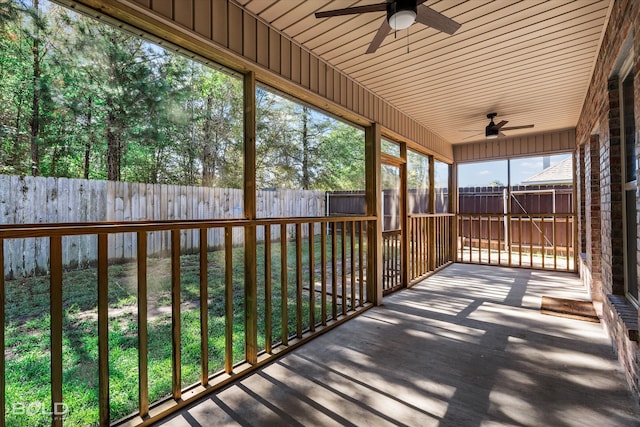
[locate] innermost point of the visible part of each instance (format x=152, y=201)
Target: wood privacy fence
x=354, y=203
x=536, y=199
x=37, y=200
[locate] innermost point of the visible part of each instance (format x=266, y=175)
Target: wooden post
x=373, y=208
x=404, y=219
x=204, y=307
x=176, y=299
x=453, y=208
x=430, y=244
x=2, y=345
x=574, y=223
x=228, y=299
x=56, y=313
x=250, y=238
x=143, y=336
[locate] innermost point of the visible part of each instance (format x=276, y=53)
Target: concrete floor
x=466, y=347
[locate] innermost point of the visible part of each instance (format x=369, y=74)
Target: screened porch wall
x=526, y=145
x=222, y=31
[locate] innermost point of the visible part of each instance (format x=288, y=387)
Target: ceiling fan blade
x=419, y=2
x=501, y=134
x=473, y=136
x=353, y=10
x=433, y=19
x=499, y=125
x=379, y=37
x=518, y=127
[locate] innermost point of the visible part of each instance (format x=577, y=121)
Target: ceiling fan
x=401, y=14
x=494, y=130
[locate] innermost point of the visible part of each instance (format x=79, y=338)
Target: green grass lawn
x=27, y=331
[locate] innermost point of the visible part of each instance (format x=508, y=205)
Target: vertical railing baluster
x=3, y=399
x=554, y=242
x=299, y=280
x=490, y=231
x=204, y=308
x=361, y=229
x=415, y=247
x=176, y=361
x=480, y=220
x=415, y=255
x=508, y=234
x=436, y=241
x=397, y=260
x=433, y=243
x=344, y=267
x=284, y=283
x=450, y=241
x=567, y=236
x=103, y=335
x=412, y=257
x=385, y=262
x=424, y=238
x=438, y=231
x=312, y=278
x=334, y=273
x=353, y=265
x=228, y=299
x=460, y=237
x=323, y=273
x=268, y=312
x=542, y=241
x=442, y=238
x=143, y=336
x=520, y=241
x=56, y=310
x=470, y=238
x=531, y=241
x=440, y=241
x=409, y=247
x=250, y=294
x=500, y=244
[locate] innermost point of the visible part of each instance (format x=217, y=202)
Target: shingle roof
x=560, y=173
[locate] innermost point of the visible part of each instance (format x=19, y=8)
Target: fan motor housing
x=491, y=131
x=400, y=5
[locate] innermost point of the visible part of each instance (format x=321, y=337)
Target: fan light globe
x=402, y=19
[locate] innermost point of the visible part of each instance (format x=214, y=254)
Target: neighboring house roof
x=560, y=173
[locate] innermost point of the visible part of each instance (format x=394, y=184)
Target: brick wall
x=592, y=219
x=598, y=129
x=580, y=198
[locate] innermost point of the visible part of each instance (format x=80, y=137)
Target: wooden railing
x=430, y=244
x=391, y=260
x=544, y=241
x=304, y=275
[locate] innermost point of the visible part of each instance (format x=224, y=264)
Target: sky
x=481, y=174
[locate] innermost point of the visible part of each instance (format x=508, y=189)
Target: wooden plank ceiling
x=530, y=61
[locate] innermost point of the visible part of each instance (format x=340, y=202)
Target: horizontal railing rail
x=269, y=295
x=541, y=241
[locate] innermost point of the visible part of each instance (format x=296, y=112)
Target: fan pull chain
x=407, y=40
